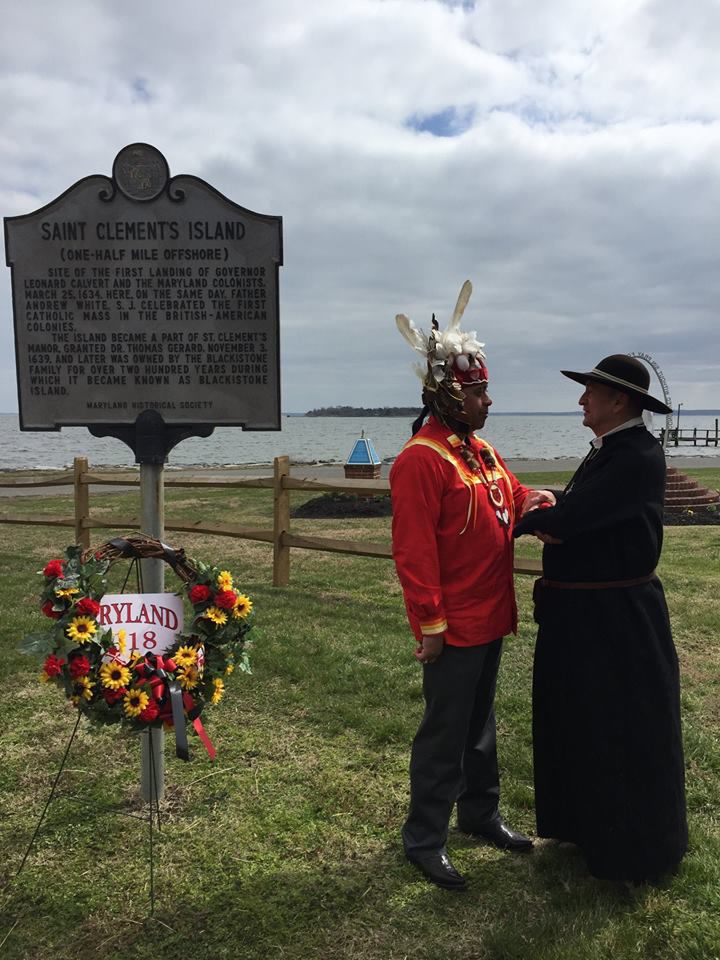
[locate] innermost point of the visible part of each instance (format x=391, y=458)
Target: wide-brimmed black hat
x=624, y=373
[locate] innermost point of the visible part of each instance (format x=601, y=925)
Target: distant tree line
x=363, y=412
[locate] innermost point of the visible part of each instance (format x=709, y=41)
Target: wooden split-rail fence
x=281, y=537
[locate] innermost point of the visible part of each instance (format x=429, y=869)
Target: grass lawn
x=288, y=846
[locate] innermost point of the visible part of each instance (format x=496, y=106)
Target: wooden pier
x=695, y=436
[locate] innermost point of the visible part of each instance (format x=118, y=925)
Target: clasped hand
x=534, y=500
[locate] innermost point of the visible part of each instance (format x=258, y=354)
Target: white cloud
x=581, y=200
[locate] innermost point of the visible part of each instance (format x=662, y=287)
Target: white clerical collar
x=635, y=422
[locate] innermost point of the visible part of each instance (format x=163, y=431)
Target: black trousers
x=454, y=755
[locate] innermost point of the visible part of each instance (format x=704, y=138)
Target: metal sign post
x=152, y=507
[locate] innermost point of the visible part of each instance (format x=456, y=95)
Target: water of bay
x=308, y=440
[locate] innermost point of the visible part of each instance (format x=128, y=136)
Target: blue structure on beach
x=363, y=461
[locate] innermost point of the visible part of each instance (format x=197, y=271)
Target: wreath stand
x=153, y=817
x=139, y=549
x=151, y=440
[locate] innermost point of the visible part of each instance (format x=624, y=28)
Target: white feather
x=462, y=302
x=416, y=339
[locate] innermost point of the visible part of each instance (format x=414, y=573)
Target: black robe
x=607, y=740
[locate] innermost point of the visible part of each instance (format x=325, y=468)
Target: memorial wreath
x=111, y=681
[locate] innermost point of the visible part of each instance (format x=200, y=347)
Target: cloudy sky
x=563, y=155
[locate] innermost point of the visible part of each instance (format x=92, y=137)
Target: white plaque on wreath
x=141, y=622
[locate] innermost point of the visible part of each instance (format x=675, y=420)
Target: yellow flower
x=114, y=675
x=83, y=688
x=185, y=656
x=188, y=677
x=44, y=678
x=121, y=638
x=243, y=606
x=219, y=690
x=217, y=615
x=81, y=629
x=229, y=668
x=225, y=580
x=68, y=592
x=134, y=702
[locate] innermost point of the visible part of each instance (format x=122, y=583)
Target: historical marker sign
x=144, y=292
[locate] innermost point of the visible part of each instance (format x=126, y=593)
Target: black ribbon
x=148, y=669
x=126, y=548
x=181, y=742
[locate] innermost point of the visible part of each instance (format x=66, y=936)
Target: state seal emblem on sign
x=140, y=172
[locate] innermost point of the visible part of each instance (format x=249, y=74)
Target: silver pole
x=152, y=508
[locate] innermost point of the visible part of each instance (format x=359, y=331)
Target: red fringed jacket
x=453, y=556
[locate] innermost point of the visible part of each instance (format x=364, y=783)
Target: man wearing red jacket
x=454, y=505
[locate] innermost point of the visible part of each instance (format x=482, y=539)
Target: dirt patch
x=692, y=518
x=339, y=505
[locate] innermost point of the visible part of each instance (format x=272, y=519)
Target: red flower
x=199, y=593
x=53, y=665
x=79, y=666
x=88, y=607
x=113, y=696
x=225, y=599
x=47, y=609
x=150, y=713
x=54, y=569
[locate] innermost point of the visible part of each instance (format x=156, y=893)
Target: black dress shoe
x=439, y=870
x=500, y=835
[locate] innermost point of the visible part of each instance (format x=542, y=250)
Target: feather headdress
x=450, y=355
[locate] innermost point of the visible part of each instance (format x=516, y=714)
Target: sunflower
x=67, y=592
x=218, y=690
x=225, y=580
x=114, y=675
x=82, y=629
x=185, y=656
x=229, y=668
x=82, y=689
x=188, y=677
x=243, y=606
x=135, y=702
x=217, y=615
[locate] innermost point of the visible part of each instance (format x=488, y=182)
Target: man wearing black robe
x=609, y=770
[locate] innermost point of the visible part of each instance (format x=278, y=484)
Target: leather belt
x=596, y=584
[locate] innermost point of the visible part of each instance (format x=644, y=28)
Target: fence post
x=82, y=502
x=281, y=522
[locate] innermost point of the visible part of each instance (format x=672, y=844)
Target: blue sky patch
x=140, y=90
x=450, y=122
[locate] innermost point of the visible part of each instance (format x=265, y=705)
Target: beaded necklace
x=495, y=492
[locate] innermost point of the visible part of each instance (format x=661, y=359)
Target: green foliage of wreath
x=89, y=663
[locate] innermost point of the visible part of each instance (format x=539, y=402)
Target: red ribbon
x=156, y=671
x=189, y=705
x=154, y=674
